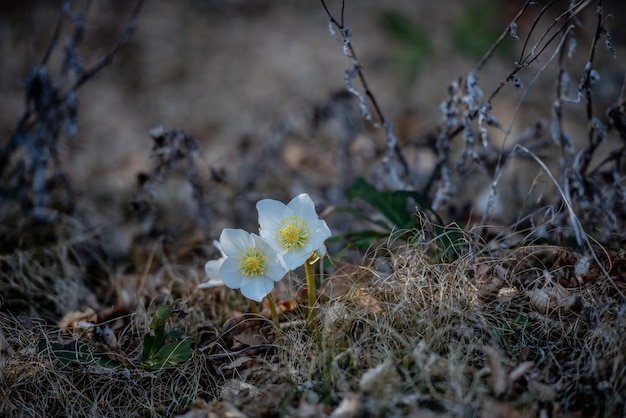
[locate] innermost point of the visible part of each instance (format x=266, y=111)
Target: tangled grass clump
x=52, y=373
x=458, y=338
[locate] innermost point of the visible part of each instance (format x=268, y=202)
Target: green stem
x=253, y=307
x=310, y=279
x=270, y=299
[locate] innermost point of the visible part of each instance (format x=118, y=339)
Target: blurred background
x=260, y=85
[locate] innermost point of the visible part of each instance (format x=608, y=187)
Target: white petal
x=211, y=284
x=234, y=240
x=212, y=268
x=217, y=245
x=323, y=229
x=257, y=288
x=295, y=259
x=319, y=234
x=321, y=251
x=230, y=274
x=276, y=269
x=303, y=207
x=271, y=213
x=263, y=245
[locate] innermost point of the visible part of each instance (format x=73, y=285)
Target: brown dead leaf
x=499, y=377
x=238, y=364
x=283, y=299
x=380, y=381
x=520, y=370
x=127, y=290
x=489, y=279
x=234, y=390
x=71, y=319
x=248, y=337
x=541, y=391
x=551, y=299
x=308, y=410
x=107, y=336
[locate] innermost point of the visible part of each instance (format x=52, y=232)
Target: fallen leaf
x=489, y=279
x=541, y=391
x=234, y=389
x=381, y=380
x=248, y=337
x=499, y=378
x=71, y=319
x=520, y=370
x=237, y=363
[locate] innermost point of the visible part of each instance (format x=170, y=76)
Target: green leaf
x=360, y=215
x=451, y=242
x=151, y=345
x=391, y=204
x=361, y=239
x=174, y=334
x=171, y=355
x=160, y=317
x=79, y=354
x=153, y=341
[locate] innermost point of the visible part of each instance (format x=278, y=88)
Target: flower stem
x=253, y=307
x=310, y=279
x=270, y=299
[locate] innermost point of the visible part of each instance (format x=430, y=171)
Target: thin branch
x=55, y=38
x=503, y=35
x=533, y=26
x=392, y=144
x=108, y=58
x=585, y=85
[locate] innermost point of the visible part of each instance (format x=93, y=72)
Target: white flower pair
x=288, y=236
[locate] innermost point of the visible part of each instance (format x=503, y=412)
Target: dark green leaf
x=80, y=354
x=364, y=217
x=393, y=205
x=171, y=355
x=360, y=239
x=174, y=334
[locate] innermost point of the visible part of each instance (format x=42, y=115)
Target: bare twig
x=502, y=37
x=393, y=151
x=50, y=113
x=585, y=86
x=108, y=57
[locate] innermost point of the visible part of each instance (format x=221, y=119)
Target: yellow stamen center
x=293, y=233
x=252, y=262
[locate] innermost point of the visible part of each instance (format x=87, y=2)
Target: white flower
x=212, y=268
x=251, y=264
x=293, y=230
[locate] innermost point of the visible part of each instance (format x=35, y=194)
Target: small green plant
x=161, y=348
x=399, y=219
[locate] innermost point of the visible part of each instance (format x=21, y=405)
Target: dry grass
x=521, y=332
x=45, y=373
